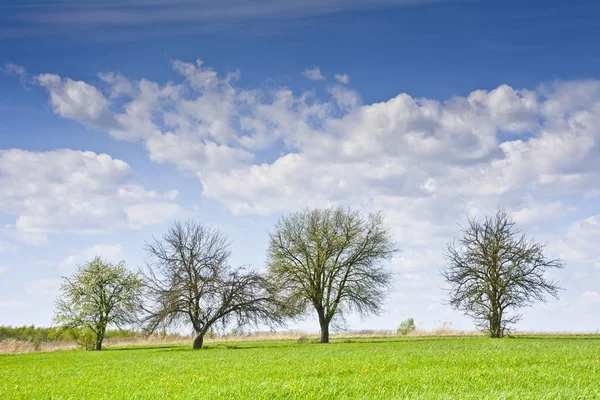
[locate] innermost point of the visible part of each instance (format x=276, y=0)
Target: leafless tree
x=331, y=259
x=494, y=269
x=188, y=281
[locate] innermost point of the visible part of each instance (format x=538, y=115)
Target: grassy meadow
x=544, y=367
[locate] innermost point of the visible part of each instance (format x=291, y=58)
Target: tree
x=331, y=259
x=99, y=293
x=406, y=327
x=188, y=280
x=494, y=269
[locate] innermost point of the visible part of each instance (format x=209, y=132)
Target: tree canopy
x=189, y=281
x=99, y=293
x=494, y=269
x=331, y=260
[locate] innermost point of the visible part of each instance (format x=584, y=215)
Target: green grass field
x=378, y=368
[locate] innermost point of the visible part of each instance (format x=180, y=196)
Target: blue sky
x=118, y=117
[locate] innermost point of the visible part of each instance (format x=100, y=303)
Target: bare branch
x=188, y=281
x=331, y=259
x=493, y=269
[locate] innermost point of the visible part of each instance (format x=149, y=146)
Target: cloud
x=119, y=84
x=72, y=191
x=579, y=241
x=314, y=74
x=342, y=78
x=538, y=212
x=15, y=69
x=427, y=163
x=3, y=269
x=113, y=253
x=404, y=146
x=157, y=12
x=76, y=100
x=344, y=98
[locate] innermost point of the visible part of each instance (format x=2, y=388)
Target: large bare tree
x=188, y=280
x=331, y=260
x=99, y=293
x=494, y=270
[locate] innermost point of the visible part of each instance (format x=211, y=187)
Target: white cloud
x=314, y=74
x=190, y=154
x=200, y=77
x=427, y=163
x=344, y=98
x=538, y=212
x=131, y=12
x=413, y=258
x=342, y=78
x=113, y=253
x=3, y=269
x=11, y=68
x=579, y=242
x=452, y=146
x=119, y=85
x=70, y=191
x=76, y=100
x=402, y=147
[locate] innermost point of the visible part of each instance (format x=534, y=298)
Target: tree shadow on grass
x=145, y=347
x=296, y=343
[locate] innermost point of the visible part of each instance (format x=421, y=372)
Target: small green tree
x=86, y=338
x=99, y=293
x=406, y=327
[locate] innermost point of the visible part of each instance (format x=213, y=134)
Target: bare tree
x=98, y=294
x=331, y=259
x=188, y=281
x=493, y=270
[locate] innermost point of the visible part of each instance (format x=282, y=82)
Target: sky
x=121, y=117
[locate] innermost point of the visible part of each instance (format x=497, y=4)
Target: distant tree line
x=329, y=262
x=32, y=334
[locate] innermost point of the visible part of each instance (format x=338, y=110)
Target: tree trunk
x=496, y=326
x=99, y=339
x=199, y=340
x=324, y=329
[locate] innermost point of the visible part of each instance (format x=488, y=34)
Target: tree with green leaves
x=494, y=269
x=331, y=260
x=98, y=294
